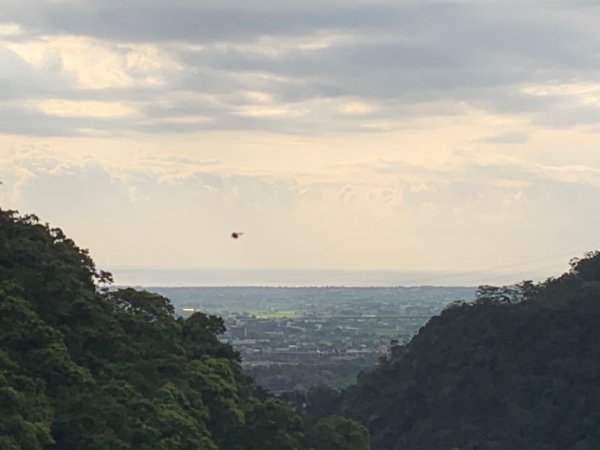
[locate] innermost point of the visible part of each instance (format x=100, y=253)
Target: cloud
x=189, y=66
x=167, y=217
x=505, y=138
x=181, y=219
x=336, y=133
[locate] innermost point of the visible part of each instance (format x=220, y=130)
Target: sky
x=370, y=135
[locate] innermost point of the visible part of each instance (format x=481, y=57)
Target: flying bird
x=236, y=234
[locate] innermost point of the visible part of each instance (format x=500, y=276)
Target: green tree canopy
x=516, y=368
x=84, y=366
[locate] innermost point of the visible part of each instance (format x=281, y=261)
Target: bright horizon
x=451, y=136
x=311, y=277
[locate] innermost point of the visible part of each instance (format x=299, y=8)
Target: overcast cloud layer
x=449, y=134
x=301, y=68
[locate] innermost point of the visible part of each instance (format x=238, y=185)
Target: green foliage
x=178, y=428
x=340, y=433
x=26, y=414
x=272, y=425
x=517, y=368
x=84, y=366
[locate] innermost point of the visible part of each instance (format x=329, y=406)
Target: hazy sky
x=351, y=134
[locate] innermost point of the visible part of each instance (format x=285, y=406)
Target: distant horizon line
x=299, y=286
x=329, y=278
x=308, y=269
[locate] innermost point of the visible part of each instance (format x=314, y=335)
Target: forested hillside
x=85, y=367
x=82, y=367
x=517, y=369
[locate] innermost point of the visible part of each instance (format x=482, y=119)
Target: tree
x=340, y=433
x=86, y=366
x=26, y=413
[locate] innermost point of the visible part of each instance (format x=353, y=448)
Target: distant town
x=297, y=338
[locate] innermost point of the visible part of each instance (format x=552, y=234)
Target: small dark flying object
x=236, y=235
